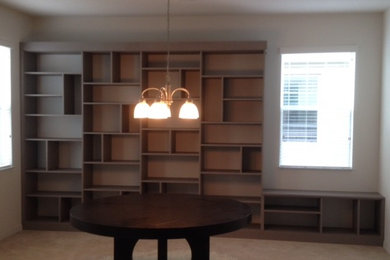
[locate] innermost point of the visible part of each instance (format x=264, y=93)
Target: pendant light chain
x=160, y=109
x=168, y=78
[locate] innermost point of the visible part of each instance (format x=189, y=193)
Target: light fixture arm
x=162, y=91
x=165, y=95
x=180, y=89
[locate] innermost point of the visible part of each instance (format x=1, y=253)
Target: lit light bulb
x=159, y=110
x=189, y=111
x=141, y=110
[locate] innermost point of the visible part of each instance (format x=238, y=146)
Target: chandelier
x=161, y=106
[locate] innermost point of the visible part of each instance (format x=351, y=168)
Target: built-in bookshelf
x=79, y=131
x=52, y=137
x=320, y=216
x=231, y=143
x=81, y=142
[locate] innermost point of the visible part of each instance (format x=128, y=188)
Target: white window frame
x=318, y=50
x=11, y=163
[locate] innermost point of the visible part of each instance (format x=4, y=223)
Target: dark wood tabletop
x=160, y=216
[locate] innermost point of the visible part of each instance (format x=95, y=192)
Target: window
x=5, y=108
x=317, y=99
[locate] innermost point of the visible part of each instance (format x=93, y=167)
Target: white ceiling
x=191, y=7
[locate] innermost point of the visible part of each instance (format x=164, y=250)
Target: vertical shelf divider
x=321, y=215
x=356, y=216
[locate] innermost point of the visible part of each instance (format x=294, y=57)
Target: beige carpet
x=40, y=245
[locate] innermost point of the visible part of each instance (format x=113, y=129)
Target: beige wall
x=13, y=28
x=384, y=176
x=362, y=31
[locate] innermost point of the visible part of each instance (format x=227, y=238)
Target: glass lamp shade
x=141, y=110
x=159, y=110
x=189, y=111
x=167, y=110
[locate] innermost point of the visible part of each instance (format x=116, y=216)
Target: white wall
x=364, y=31
x=384, y=176
x=13, y=27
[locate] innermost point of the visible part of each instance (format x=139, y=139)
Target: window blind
x=5, y=108
x=317, y=93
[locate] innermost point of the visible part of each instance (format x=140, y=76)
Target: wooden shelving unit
x=231, y=142
x=81, y=142
x=324, y=216
x=111, y=136
x=170, y=148
x=52, y=146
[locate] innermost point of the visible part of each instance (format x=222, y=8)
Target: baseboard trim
x=9, y=231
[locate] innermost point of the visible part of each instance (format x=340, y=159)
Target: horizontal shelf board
x=253, y=226
x=243, y=99
x=53, y=115
x=93, y=162
x=291, y=228
x=171, y=68
x=323, y=194
x=51, y=73
x=171, y=154
x=134, y=188
x=156, y=153
x=221, y=172
x=54, y=194
x=229, y=172
x=254, y=173
x=57, y=171
x=124, y=84
x=134, y=48
x=106, y=133
x=194, y=154
x=249, y=200
x=44, y=219
x=230, y=123
x=369, y=232
x=156, y=129
x=231, y=145
x=249, y=76
x=123, y=162
x=111, y=133
x=174, y=99
x=43, y=95
x=171, y=180
x=54, y=139
x=107, y=103
x=129, y=162
x=170, y=129
x=256, y=222
x=36, y=170
x=338, y=230
x=291, y=209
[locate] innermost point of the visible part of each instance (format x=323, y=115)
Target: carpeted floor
x=41, y=245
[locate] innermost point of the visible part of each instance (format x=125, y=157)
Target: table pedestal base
x=123, y=248
x=200, y=248
x=162, y=250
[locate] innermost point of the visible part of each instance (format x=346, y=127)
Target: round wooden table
x=160, y=216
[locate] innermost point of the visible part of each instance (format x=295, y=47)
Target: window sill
x=316, y=168
x=4, y=168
